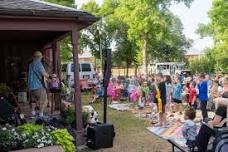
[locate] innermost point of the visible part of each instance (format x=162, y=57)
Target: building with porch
x=30, y=25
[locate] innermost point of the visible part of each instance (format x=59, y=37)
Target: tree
x=65, y=44
x=217, y=29
x=69, y=3
x=147, y=20
x=96, y=37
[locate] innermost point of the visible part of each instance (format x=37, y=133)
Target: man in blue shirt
x=203, y=95
x=36, y=84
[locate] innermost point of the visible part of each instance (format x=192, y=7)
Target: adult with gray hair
x=36, y=84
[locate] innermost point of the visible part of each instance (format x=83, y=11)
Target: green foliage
x=65, y=49
x=8, y=139
x=23, y=137
x=68, y=3
x=32, y=136
x=96, y=36
x=150, y=27
x=30, y=128
x=205, y=64
x=205, y=30
x=63, y=138
x=69, y=116
x=4, y=90
x=217, y=28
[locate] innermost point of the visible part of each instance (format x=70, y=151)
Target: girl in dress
x=133, y=91
x=192, y=95
x=111, y=90
x=169, y=91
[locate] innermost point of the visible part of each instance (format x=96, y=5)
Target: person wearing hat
x=36, y=84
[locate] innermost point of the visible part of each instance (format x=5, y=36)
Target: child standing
x=145, y=93
x=177, y=95
x=203, y=96
x=192, y=95
x=161, y=99
x=169, y=90
x=189, y=129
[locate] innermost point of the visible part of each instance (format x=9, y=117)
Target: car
x=86, y=70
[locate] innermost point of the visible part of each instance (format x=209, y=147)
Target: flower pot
x=45, y=149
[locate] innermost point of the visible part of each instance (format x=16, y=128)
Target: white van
x=85, y=70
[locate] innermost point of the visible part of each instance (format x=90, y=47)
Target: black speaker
x=107, y=66
x=100, y=136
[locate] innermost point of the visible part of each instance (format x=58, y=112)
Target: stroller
x=8, y=114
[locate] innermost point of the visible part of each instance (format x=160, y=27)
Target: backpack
x=54, y=86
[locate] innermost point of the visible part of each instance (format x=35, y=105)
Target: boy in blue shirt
x=203, y=95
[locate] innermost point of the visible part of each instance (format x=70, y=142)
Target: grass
x=131, y=133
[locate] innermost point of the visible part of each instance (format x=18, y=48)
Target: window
x=72, y=68
x=86, y=67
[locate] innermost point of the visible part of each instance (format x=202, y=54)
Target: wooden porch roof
x=38, y=8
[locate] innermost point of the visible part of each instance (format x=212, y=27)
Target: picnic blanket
x=120, y=106
x=174, y=132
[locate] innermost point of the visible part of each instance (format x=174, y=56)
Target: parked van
x=86, y=70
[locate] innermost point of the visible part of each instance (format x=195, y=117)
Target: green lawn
x=131, y=133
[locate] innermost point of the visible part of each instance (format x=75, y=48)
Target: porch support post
x=56, y=70
x=54, y=52
x=80, y=140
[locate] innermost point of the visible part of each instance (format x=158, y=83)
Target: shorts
x=163, y=107
x=177, y=100
x=39, y=97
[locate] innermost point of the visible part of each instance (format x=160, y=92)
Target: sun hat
x=37, y=54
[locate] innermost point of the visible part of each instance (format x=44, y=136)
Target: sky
x=190, y=18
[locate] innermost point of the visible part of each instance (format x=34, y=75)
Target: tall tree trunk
x=95, y=63
x=127, y=70
x=144, y=51
x=136, y=70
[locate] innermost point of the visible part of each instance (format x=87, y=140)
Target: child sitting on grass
x=99, y=92
x=189, y=129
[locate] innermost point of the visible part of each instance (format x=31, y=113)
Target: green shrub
x=63, y=138
x=8, y=138
x=4, y=90
x=30, y=128
x=34, y=136
x=69, y=116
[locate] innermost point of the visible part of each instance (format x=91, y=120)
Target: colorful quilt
x=174, y=132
